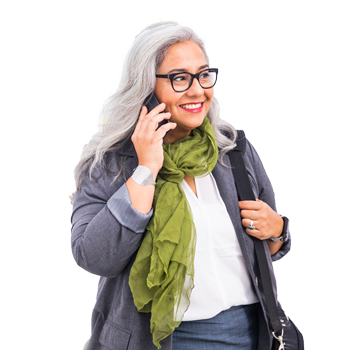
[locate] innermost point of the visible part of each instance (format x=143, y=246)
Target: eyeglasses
x=182, y=81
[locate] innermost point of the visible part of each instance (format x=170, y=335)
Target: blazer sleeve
x=266, y=193
x=106, y=229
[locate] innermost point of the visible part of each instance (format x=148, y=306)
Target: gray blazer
x=107, y=232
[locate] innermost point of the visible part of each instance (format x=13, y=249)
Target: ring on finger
x=251, y=226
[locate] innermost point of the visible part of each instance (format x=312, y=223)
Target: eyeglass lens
x=182, y=81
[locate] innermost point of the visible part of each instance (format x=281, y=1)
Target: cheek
x=167, y=96
x=172, y=101
x=161, y=92
x=209, y=97
x=209, y=94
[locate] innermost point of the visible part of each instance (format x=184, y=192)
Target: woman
x=156, y=213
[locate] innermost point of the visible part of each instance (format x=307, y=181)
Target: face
x=187, y=108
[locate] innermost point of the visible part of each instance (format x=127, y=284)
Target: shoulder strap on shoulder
x=245, y=192
x=241, y=142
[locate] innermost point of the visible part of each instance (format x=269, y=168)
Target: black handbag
x=286, y=334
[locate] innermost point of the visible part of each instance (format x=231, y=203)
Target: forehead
x=187, y=55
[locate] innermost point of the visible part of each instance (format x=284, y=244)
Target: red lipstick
x=195, y=110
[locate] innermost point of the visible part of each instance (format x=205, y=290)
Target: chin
x=195, y=123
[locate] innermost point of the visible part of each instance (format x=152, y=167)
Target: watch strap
x=284, y=235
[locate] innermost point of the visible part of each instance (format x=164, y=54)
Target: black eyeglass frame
x=171, y=77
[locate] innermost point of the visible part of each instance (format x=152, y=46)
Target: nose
x=195, y=89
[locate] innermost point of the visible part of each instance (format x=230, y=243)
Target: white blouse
x=221, y=278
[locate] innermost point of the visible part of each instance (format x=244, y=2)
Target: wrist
x=154, y=168
x=279, y=227
x=282, y=233
x=143, y=176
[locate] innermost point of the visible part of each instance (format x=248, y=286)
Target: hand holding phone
x=148, y=137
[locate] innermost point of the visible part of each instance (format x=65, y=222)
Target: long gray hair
x=121, y=111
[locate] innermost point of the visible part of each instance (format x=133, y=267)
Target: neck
x=174, y=135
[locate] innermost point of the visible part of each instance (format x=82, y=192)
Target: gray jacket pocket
x=114, y=338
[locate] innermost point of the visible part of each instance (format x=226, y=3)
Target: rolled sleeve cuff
x=283, y=250
x=120, y=206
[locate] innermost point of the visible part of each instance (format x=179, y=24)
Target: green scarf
x=165, y=258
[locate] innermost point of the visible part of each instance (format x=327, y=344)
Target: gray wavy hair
x=121, y=111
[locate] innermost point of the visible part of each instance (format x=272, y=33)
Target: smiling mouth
x=192, y=106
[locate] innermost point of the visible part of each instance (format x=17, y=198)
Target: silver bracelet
x=143, y=176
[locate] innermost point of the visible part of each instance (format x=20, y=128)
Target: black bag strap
x=245, y=192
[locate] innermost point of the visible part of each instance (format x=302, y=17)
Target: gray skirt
x=235, y=328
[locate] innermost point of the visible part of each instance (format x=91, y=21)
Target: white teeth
x=192, y=106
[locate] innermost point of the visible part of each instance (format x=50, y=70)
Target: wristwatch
x=284, y=235
x=143, y=176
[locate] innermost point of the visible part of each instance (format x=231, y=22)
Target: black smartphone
x=152, y=102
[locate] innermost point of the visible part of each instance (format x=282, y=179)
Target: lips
x=195, y=107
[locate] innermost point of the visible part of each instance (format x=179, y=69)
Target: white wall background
x=263, y=68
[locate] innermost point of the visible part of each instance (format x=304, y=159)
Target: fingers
x=254, y=211
x=148, y=122
x=161, y=132
x=155, y=111
x=250, y=205
x=145, y=117
x=143, y=113
x=246, y=223
x=256, y=231
x=155, y=120
x=261, y=227
x=250, y=214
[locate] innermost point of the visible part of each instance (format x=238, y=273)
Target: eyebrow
x=184, y=69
